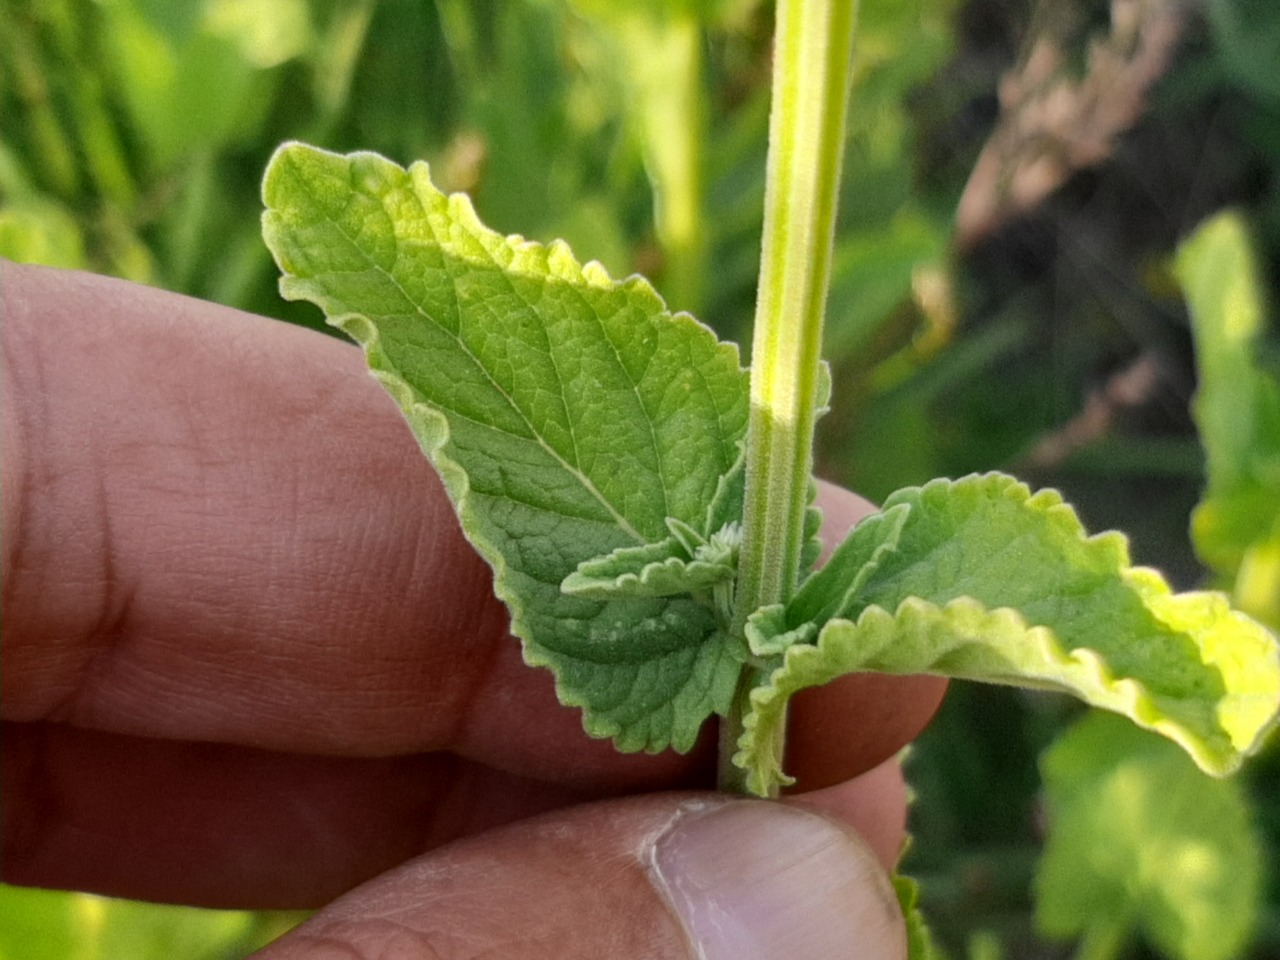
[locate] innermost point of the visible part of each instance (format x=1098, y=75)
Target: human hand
x=250, y=661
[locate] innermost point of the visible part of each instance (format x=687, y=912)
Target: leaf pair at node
x=591, y=442
x=702, y=563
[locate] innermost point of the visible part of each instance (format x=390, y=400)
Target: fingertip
x=758, y=880
x=855, y=723
x=873, y=804
x=666, y=877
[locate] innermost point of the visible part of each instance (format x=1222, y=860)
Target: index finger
x=217, y=528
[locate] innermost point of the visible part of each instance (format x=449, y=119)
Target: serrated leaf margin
x=431, y=430
x=961, y=639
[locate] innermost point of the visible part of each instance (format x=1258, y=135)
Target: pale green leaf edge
x=964, y=640
x=920, y=942
x=430, y=428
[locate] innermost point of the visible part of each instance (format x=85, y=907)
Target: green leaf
x=649, y=570
x=988, y=582
x=920, y=942
x=569, y=415
x=1236, y=527
x=691, y=560
x=41, y=231
x=662, y=569
x=811, y=541
x=57, y=925
x=1139, y=838
x=768, y=634
x=834, y=589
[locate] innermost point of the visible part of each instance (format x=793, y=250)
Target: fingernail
x=764, y=881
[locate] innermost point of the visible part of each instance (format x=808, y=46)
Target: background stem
x=812, y=59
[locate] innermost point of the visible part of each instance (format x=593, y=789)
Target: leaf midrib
x=623, y=523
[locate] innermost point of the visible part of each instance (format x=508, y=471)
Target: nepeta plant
x=646, y=504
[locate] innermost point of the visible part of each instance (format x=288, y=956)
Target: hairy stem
x=812, y=59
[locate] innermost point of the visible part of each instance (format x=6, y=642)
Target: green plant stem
x=812, y=59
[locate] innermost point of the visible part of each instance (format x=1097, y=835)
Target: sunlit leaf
x=568, y=414
x=986, y=581
x=1236, y=527
x=1139, y=839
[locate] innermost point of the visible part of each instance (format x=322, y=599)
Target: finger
x=873, y=804
x=217, y=528
x=129, y=817
x=667, y=877
x=855, y=723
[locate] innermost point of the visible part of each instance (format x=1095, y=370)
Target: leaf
x=649, y=570
x=58, y=925
x=811, y=543
x=568, y=414
x=768, y=634
x=691, y=560
x=835, y=588
x=1139, y=837
x=1257, y=586
x=41, y=231
x=657, y=570
x=1236, y=527
x=988, y=582
x=920, y=942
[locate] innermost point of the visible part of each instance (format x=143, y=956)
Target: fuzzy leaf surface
x=568, y=414
x=654, y=570
x=691, y=560
x=989, y=582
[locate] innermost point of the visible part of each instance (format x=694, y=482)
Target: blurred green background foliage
x=1018, y=284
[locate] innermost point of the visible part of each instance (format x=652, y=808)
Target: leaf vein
x=571, y=468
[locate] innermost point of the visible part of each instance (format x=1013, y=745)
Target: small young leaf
x=686, y=536
x=768, y=634
x=568, y=414
x=833, y=590
x=649, y=570
x=1138, y=837
x=811, y=544
x=662, y=569
x=988, y=582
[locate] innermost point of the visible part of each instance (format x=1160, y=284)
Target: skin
x=250, y=661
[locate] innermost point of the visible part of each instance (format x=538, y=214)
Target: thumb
x=667, y=877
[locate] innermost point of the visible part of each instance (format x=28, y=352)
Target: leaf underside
x=984, y=581
x=568, y=414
